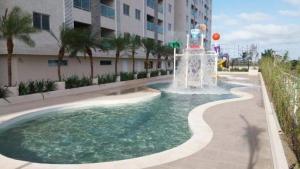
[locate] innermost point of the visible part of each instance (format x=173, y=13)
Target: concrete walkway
x=240, y=138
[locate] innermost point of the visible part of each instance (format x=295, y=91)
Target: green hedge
x=125, y=76
x=75, y=82
x=154, y=73
x=142, y=75
x=104, y=79
x=3, y=93
x=38, y=86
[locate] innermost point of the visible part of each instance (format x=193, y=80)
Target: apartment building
x=163, y=21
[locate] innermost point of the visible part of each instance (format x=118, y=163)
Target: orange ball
x=216, y=36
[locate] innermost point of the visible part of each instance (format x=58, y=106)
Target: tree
x=158, y=51
x=63, y=41
x=83, y=40
x=118, y=44
x=167, y=51
x=269, y=53
x=148, y=44
x=134, y=44
x=15, y=25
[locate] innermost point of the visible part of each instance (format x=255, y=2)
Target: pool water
x=99, y=134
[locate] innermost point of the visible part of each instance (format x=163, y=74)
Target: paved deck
x=240, y=138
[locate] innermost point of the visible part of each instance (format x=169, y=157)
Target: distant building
x=174, y=19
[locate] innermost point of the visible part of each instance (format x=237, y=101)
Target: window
x=41, y=21
x=169, y=27
x=159, y=64
x=126, y=35
x=82, y=4
x=149, y=65
x=105, y=62
x=170, y=8
x=54, y=63
x=126, y=9
x=137, y=14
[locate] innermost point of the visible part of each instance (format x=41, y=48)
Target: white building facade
x=164, y=21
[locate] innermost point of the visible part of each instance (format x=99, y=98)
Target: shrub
x=23, y=89
x=3, y=93
x=142, y=75
x=39, y=86
x=104, y=79
x=31, y=87
x=154, y=73
x=163, y=72
x=171, y=71
x=50, y=86
x=125, y=76
x=75, y=82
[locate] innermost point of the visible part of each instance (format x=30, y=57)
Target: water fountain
x=196, y=67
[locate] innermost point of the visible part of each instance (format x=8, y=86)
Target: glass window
x=170, y=8
x=36, y=20
x=105, y=62
x=45, y=22
x=41, y=21
x=52, y=63
x=82, y=4
x=137, y=14
x=169, y=27
x=126, y=9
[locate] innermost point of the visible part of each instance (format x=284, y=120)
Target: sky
x=266, y=23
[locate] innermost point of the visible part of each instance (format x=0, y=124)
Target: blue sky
x=267, y=23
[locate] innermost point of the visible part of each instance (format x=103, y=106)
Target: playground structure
x=196, y=68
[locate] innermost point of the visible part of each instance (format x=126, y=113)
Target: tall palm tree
x=118, y=44
x=63, y=42
x=83, y=41
x=167, y=52
x=134, y=44
x=158, y=52
x=15, y=25
x=148, y=44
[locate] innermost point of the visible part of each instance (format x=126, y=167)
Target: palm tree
x=158, y=52
x=63, y=42
x=167, y=51
x=134, y=44
x=148, y=44
x=118, y=44
x=83, y=40
x=15, y=25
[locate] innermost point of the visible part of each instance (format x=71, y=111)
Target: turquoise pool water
x=99, y=134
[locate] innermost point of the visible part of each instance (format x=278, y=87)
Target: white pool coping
x=202, y=135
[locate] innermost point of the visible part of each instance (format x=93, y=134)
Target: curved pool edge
x=202, y=135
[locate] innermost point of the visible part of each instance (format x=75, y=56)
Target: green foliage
x=38, y=86
x=125, y=76
x=3, y=93
x=23, y=89
x=75, y=82
x=17, y=24
x=154, y=73
x=278, y=79
x=239, y=70
x=104, y=79
x=163, y=72
x=49, y=86
x=142, y=75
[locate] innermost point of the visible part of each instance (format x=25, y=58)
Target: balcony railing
x=152, y=27
x=151, y=4
x=82, y=4
x=107, y=11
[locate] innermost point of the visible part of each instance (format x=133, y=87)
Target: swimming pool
x=99, y=134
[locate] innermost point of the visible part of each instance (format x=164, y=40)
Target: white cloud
x=265, y=34
x=293, y=2
x=254, y=17
x=225, y=20
x=290, y=13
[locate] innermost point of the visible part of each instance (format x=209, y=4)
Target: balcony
x=151, y=4
x=152, y=27
x=107, y=11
